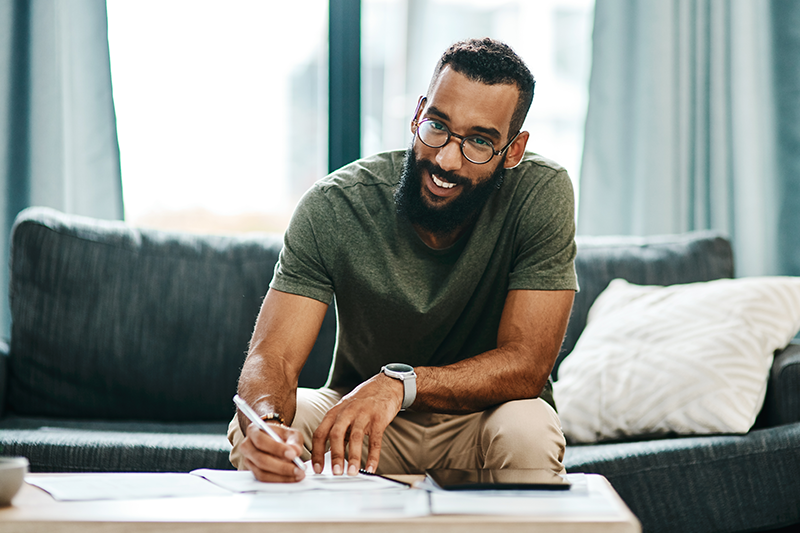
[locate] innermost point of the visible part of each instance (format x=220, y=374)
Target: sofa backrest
x=114, y=322
x=655, y=260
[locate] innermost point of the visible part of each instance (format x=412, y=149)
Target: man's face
x=441, y=218
x=440, y=190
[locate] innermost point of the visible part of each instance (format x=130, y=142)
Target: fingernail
x=317, y=468
x=299, y=474
x=370, y=469
x=337, y=470
x=352, y=471
x=290, y=454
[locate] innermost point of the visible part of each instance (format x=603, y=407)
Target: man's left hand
x=367, y=410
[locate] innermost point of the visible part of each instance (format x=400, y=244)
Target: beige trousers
x=517, y=434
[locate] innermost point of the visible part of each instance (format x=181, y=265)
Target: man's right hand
x=269, y=460
x=286, y=329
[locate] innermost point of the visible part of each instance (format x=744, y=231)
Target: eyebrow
x=491, y=132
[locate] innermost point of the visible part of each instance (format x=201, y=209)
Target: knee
x=235, y=437
x=522, y=434
x=312, y=406
x=305, y=421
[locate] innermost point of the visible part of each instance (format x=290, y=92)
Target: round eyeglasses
x=474, y=148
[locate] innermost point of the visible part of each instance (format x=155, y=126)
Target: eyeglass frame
x=450, y=134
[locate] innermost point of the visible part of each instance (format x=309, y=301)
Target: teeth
x=443, y=184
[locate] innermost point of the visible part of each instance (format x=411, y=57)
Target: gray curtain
x=694, y=123
x=786, y=43
x=58, y=139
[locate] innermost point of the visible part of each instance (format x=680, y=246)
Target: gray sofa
x=126, y=345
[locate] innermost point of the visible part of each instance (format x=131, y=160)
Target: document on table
x=114, y=486
x=244, y=481
x=351, y=505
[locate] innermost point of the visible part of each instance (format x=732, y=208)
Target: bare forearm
x=285, y=331
x=528, y=340
x=265, y=384
x=477, y=383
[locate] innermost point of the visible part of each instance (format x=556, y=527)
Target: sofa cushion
x=59, y=445
x=702, y=484
x=653, y=260
x=113, y=322
x=683, y=359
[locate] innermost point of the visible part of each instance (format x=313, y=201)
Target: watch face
x=399, y=367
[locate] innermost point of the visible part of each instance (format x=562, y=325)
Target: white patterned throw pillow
x=685, y=359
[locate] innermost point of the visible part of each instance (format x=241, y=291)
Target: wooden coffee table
x=594, y=507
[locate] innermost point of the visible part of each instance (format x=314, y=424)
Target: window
x=222, y=106
x=403, y=39
x=221, y=109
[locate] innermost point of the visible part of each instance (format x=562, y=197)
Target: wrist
x=396, y=388
x=408, y=378
x=274, y=418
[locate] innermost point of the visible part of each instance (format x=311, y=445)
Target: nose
x=449, y=156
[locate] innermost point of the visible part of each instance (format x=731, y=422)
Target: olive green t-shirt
x=399, y=300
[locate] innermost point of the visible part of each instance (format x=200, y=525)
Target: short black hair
x=491, y=62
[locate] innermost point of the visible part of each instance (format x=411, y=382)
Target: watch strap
x=409, y=391
x=409, y=379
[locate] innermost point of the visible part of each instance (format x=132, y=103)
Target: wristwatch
x=406, y=374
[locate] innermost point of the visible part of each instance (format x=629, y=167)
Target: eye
x=438, y=126
x=480, y=142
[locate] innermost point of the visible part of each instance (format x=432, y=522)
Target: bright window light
x=402, y=41
x=221, y=111
x=222, y=105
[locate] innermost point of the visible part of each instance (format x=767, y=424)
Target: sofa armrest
x=783, y=392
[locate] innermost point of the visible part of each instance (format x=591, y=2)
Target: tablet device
x=504, y=479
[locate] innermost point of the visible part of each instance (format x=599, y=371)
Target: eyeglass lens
x=475, y=148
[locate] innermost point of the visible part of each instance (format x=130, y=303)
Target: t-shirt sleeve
x=301, y=268
x=545, y=241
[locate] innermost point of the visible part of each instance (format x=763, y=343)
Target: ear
x=516, y=151
x=415, y=118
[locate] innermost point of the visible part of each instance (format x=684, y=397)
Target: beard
x=444, y=217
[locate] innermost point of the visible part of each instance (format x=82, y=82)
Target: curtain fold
x=786, y=43
x=682, y=130
x=58, y=139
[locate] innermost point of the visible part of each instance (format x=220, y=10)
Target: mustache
x=446, y=175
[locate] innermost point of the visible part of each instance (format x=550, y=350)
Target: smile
x=442, y=184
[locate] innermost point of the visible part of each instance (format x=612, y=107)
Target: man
x=455, y=260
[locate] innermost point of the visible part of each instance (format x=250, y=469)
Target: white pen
x=253, y=416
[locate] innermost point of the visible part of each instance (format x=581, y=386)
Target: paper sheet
x=353, y=505
x=114, y=486
x=244, y=481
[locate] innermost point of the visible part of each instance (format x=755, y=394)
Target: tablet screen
x=504, y=479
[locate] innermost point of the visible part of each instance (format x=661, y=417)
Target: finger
x=265, y=460
x=338, y=440
x=318, y=443
x=374, y=456
x=355, y=442
x=295, y=440
x=267, y=444
x=285, y=433
x=266, y=466
x=269, y=476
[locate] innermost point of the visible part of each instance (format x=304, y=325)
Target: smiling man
x=452, y=269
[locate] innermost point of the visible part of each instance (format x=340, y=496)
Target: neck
x=440, y=241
